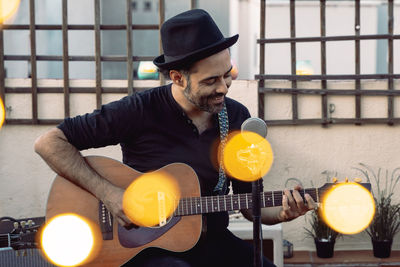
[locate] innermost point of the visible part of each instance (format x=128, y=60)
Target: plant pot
x=324, y=248
x=382, y=248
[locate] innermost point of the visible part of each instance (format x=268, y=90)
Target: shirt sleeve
x=111, y=124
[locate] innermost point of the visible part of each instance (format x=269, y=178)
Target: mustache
x=216, y=95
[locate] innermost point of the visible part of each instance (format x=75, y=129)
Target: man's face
x=209, y=81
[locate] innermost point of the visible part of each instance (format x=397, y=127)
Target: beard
x=202, y=102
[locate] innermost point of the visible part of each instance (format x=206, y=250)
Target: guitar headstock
x=22, y=236
x=23, y=240
x=335, y=182
x=347, y=207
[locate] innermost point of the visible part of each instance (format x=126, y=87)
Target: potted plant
x=324, y=236
x=386, y=222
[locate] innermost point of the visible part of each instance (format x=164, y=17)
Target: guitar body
x=66, y=197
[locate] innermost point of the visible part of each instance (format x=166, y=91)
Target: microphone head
x=255, y=125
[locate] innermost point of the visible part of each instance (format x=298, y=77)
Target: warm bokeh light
x=151, y=199
x=348, y=208
x=70, y=240
x=2, y=113
x=235, y=70
x=8, y=8
x=247, y=156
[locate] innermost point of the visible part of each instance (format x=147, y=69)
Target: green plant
x=319, y=229
x=386, y=222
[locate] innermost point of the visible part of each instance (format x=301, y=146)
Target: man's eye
x=211, y=81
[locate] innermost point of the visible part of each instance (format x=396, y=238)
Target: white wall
x=304, y=152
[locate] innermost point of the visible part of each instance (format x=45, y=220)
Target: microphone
x=255, y=125
x=258, y=126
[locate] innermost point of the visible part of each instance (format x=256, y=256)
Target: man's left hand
x=293, y=204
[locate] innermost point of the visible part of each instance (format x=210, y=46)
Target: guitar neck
x=209, y=204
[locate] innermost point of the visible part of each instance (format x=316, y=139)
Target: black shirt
x=153, y=131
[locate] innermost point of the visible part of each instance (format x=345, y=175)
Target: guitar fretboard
x=209, y=204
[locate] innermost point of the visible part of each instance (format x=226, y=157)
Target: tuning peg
x=16, y=225
x=357, y=180
x=346, y=180
x=23, y=223
x=334, y=180
x=31, y=223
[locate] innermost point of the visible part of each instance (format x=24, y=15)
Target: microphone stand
x=257, y=187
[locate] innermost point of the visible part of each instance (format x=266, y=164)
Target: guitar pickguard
x=136, y=237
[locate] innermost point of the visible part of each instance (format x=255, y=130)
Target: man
x=173, y=123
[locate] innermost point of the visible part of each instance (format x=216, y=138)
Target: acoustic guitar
x=181, y=232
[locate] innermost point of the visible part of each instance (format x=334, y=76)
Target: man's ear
x=177, y=78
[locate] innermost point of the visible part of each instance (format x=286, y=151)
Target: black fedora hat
x=189, y=37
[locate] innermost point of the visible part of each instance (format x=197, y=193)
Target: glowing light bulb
x=2, y=113
x=247, y=156
x=348, y=208
x=8, y=8
x=68, y=240
x=151, y=199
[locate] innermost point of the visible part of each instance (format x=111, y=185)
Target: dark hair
x=184, y=69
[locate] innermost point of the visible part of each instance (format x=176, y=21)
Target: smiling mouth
x=219, y=99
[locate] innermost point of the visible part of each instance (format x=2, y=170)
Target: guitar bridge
x=161, y=209
x=106, y=222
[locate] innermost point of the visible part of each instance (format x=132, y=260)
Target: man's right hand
x=113, y=198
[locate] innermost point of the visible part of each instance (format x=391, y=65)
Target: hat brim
x=195, y=55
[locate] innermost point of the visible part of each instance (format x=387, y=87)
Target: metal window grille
x=97, y=28
x=324, y=92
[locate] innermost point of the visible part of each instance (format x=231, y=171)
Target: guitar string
x=242, y=200
x=274, y=198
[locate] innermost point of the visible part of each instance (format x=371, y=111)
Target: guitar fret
x=214, y=206
x=269, y=199
x=316, y=191
x=219, y=209
x=247, y=202
x=191, y=206
x=264, y=199
x=201, y=207
x=273, y=200
x=225, y=202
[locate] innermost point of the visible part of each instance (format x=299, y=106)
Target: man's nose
x=222, y=86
